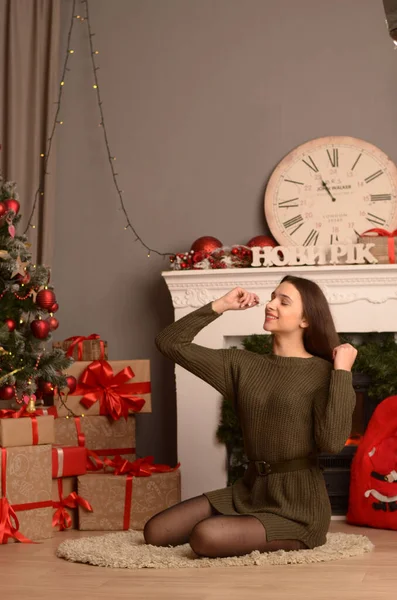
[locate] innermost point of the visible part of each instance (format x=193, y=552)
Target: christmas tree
x=27, y=303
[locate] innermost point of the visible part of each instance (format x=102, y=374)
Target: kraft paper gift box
x=106, y=438
x=26, y=488
x=82, y=347
x=26, y=431
x=65, y=503
x=104, y=387
x=116, y=508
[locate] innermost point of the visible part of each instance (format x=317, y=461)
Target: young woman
x=291, y=404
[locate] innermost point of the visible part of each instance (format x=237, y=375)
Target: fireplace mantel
x=363, y=298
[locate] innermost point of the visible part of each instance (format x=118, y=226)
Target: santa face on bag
x=384, y=475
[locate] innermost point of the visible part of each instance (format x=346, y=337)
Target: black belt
x=264, y=468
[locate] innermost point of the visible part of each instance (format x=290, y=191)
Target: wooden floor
x=34, y=572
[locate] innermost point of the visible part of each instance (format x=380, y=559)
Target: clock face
x=331, y=190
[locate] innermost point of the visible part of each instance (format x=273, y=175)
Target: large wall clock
x=330, y=190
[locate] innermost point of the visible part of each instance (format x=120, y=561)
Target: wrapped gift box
x=105, y=437
x=116, y=507
x=26, y=431
x=68, y=461
x=139, y=385
x=84, y=348
x=26, y=484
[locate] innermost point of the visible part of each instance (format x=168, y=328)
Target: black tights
x=209, y=533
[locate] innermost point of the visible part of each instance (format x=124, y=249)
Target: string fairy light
x=46, y=155
x=94, y=52
x=111, y=157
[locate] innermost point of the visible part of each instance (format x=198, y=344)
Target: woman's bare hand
x=344, y=357
x=236, y=299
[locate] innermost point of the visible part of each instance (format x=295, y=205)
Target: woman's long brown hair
x=320, y=337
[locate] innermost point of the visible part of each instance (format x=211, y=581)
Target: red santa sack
x=373, y=481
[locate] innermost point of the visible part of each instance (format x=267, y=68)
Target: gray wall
x=202, y=98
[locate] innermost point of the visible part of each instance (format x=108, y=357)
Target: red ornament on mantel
x=7, y=392
x=45, y=299
x=3, y=209
x=10, y=324
x=12, y=204
x=54, y=307
x=207, y=243
x=261, y=241
x=40, y=329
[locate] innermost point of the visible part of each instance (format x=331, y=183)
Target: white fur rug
x=127, y=550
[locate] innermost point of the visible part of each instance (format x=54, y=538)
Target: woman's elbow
x=164, y=346
x=331, y=446
x=159, y=342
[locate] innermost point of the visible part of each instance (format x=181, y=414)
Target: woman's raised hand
x=236, y=299
x=344, y=357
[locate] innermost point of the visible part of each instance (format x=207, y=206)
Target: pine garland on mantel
x=377, y=359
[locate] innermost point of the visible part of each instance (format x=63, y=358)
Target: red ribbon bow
x=390, y=242
x=61, y=517
x=141, y=467
x=9, y=524
x=77, y=340
x=115, y=395
x=9, y=413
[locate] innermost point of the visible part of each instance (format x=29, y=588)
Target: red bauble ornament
x=7, y=392
x=262, y=241
x=45, y=299
x=3, y=209
x=206, y=243
x=10, y=324
x=23, y=279
x=54, y=307
x=12, y=204
x=46, y=387
x=71, y=382
x=40, y=329
x=53, y=323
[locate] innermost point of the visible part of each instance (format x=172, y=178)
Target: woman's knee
x=203, y=539
x=153, y=533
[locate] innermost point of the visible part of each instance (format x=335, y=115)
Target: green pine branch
x=24, y=359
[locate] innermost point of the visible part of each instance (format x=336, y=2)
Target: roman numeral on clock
x=333, y=238
x=312, y=238
x=334, y=159
x=298, y=220
x=287, y=203
x=373, y=176
x=375, y=220
x=357, y=159
x=292, y=181
x=311, y=164
x=380, y=197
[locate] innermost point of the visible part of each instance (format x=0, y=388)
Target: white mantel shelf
x=363, y=298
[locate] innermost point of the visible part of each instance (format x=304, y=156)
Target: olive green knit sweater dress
x=288, y=408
